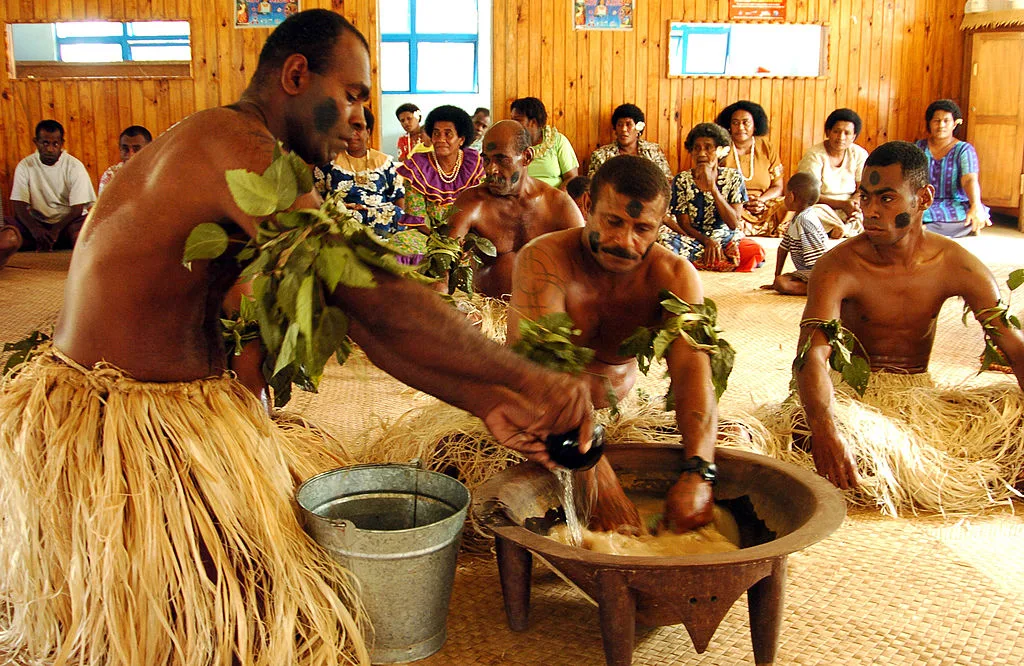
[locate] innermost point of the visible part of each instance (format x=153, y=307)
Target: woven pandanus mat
x=879, y=591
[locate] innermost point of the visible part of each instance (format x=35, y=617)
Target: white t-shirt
x=52, y=190
x=836, y=182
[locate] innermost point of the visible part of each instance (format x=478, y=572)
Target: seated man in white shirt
x=51, y=192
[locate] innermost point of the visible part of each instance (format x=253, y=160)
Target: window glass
x=91, y=53
x=448, y=67
x=158, y=28
x=741, y=49
x=161, y=53
x=90, y=29
x=394, y=17
x=446, y=16
x=394, y=66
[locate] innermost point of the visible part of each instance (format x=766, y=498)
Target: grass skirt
x=952, y=450
x=154, y=523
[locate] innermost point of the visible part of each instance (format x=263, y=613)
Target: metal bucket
x=397, y=528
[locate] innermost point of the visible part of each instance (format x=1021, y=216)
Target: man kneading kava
x=610, y=278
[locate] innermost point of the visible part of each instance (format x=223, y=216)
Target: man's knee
x=10, y=242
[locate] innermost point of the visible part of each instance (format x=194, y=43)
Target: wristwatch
x=708, y=471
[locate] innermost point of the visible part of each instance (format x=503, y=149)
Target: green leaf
x=482, y=245
x=1015, y=279
x=287, y=293
x=287, y=353
x=857, y=373
x=354, y=273
x=283, y=179
x=254, y=194
x=258, y=265
x=721, y=367
x=303, y=174
x=304, y=308
x=205, y=241
x=331, y=332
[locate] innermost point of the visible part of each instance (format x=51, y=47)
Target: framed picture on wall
x=263, y=13
x=757, y=10
x=603, y=14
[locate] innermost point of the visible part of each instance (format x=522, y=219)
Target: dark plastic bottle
x=564, y=449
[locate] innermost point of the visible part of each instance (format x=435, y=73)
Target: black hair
x=942, y=105
x=805, y=186
x=632, y=176
x=408, y=107
x=724, y=118
x=843, y=115
x=456, y=116
x=912, y=160
x=706, y=131
x=313, y=34
x=370, y=120
x=136, y=130
x=49, y=126
x=483, y=110
x=577, y=186
x=627, y=111
x=532, y=108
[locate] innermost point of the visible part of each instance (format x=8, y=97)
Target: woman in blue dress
x=707, y=204
x=366, y=180
x=953, y=171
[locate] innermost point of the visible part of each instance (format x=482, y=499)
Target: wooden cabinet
x=995, y=115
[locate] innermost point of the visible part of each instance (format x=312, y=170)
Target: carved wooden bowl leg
x=515, y=567
x=765, y=602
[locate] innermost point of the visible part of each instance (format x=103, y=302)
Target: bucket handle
x=415, y=463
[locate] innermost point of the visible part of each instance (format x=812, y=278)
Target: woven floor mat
x=879, y=591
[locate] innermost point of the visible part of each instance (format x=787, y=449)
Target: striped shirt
x=804, y=240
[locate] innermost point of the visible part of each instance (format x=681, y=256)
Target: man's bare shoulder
x=667, y=270
x=560, y=241
x=222, y=134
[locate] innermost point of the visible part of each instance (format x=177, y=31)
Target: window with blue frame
x=429, y=46
x=102, y=41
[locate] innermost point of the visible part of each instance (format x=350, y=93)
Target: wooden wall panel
x=94, y=111
x=887, y=60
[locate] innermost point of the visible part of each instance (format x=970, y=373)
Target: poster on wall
x=757, y=10
x=602, y=14
x=263, y=13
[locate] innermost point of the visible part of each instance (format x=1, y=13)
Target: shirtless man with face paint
x=510, y=208
x=167, y=317
x=887, y=286
x=608, y=277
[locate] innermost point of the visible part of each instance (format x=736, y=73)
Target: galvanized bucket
x=397, y=528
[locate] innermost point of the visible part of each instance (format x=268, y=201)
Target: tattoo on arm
x=543, y=281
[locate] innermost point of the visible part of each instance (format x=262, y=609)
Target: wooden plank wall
x=94, y=111
x=888, y=59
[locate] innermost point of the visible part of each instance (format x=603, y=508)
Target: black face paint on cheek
x=634, y=208
x=903, y=220
x=874, y=177
x=595, y=241
x=491, y=145
x=325, y=115
x=515, y=177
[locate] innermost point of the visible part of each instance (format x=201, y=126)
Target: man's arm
x=825, y=294
x=538, y=287
x=567, y=214
x=689, y=503
x=420, y=340
x=36, y=227
x=567, y=176
x=979, y=290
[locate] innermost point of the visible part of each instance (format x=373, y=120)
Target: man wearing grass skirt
x=887, y=286
x=147, y=496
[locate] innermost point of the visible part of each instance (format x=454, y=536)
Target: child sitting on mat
x=804, y=238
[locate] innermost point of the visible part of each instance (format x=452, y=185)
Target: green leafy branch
x=548, y=342
x=854, y=367
x=450, y=256
x=997, y=313
x=697, y=324
x=296, y=261
x=23, y=350
x=242, y=329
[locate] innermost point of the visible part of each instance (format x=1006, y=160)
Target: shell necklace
x=448, y=177
x=739, y=167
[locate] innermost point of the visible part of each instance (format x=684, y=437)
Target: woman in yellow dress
x=758, y=162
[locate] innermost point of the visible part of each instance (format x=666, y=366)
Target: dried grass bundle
x=150, y=523
x=953, y=450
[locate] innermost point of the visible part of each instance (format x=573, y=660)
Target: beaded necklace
x=739, y=167
x=447, y=177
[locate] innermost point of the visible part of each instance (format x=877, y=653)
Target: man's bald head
x=507, y=133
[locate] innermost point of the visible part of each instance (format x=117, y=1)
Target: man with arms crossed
x=510, y=208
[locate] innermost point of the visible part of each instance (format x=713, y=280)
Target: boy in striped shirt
x=804, y=239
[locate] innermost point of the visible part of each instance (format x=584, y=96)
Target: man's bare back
x=509, y=208
x=161, y=323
